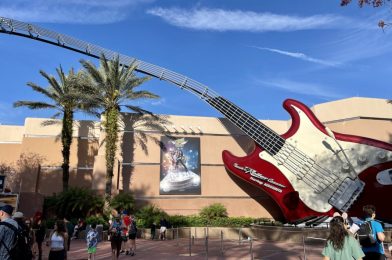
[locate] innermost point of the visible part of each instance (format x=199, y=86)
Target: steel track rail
x=34, y=32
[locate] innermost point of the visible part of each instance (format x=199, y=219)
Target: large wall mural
x=180, y=166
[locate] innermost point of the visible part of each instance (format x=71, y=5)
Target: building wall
x=139, y=172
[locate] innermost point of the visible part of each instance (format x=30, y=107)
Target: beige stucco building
x=35, y=150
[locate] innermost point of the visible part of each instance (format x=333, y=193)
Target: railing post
x=177, y=236
x=303, y=244
x=190, y=241
x=239, y=236
x=251, y=247
x=206, y=246
x=221, y=236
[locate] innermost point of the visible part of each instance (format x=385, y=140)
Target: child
x=92, y=241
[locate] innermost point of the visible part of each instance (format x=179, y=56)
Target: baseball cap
x=7, y=209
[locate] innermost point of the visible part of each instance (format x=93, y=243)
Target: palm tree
x=113, y=87
x=66, y=98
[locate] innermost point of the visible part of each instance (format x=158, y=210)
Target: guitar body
x=309, y=187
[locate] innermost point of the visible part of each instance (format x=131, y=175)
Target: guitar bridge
x=346, y=194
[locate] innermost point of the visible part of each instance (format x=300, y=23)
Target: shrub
x=74, y=203
x=150, y=214
x=214, y=211
x=232, y=222
x=199, y=221
x=123, y=201
x=98, y=220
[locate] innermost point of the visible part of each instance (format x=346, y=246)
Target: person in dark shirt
x=7, y=235
x=70, y=228
x=153, y=228
x=39, y=231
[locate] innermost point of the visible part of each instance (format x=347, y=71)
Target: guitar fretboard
x=252, y=127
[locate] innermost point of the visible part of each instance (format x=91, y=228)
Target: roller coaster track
x=34, y=32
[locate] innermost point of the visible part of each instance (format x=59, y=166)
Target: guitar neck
x=259, y=132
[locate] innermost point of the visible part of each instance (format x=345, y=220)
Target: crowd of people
x=361, y=240
x=15, y=228
x=123, y=231
x=23, y=238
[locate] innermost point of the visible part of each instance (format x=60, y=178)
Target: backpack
x=116, y=231
x=365, y=234
x=21, y=249
x=133, y=228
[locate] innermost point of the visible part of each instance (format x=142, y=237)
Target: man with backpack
x=7, y=234
x=371, y=235
x=14, y=241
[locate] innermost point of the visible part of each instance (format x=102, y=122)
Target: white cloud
x=227, y=20
x=301, y=56
x=159, y=102
x=68, y=11
x=308, y=89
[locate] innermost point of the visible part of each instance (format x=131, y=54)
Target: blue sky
x=255, y=53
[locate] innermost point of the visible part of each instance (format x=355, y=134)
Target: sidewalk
x=232, y=250
x=173, y=249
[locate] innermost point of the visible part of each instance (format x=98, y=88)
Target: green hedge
x=198, y=221
x=98, y=220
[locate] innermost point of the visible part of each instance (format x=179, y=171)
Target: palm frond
x=93, y=72
x=138, y=110
x=57, y=115
x=41, y=90
x=134, y=82
x=51, y=122
x=52, y=81
x=34, y=105
x=140, y=95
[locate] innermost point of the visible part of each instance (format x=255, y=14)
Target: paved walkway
x=232, y=250
x=173, y=249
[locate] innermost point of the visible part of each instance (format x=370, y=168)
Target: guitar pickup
x=347, y=192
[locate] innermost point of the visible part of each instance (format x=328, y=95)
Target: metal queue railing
x=220, y=242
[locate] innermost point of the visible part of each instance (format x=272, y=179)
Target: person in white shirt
x=58, y=242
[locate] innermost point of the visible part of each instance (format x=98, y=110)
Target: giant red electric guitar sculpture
x=309, y=171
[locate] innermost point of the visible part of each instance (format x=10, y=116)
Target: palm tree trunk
x=111, y=127
x=66, y=140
